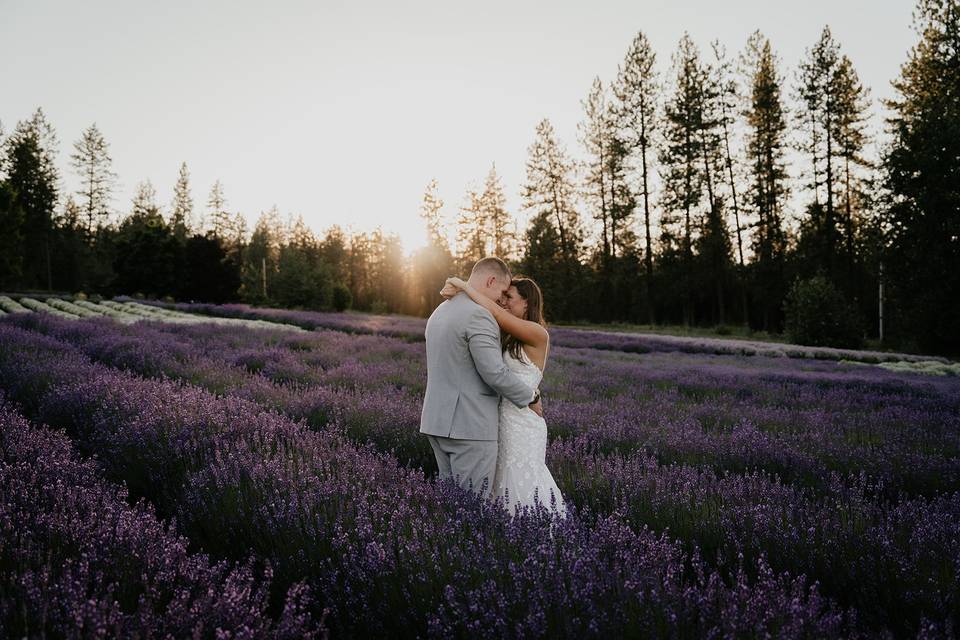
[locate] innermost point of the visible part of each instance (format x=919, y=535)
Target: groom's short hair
x=492, y=266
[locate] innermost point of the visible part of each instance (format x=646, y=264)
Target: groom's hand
x=537, y=407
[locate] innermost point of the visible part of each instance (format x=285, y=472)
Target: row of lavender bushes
x=382, y=550
x=882, y=557
x=412, y=328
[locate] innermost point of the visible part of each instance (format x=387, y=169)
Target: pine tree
x=473, y=230
x=550, y=189
x=595, y=136
x=493, y=203
x=681, y=160
x=922, y=174
x=219, y=219
x=33, y=179
x=91, y=160
x=148, y=257
x=181, y=210
x=713, y=244
x=145, y=202
x=819, y=114
x=636, y=92
x=431, y=264
x=431, y=214
x=765, y=148
x=11, y=238
x=261, y=259
x=852, y=103
x=549, y=193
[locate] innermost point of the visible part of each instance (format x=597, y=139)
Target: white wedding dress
x=522, y=477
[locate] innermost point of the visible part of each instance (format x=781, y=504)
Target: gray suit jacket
x=466, y=374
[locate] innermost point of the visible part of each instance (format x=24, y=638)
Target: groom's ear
x=491, y=280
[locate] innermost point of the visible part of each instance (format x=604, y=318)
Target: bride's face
x=515, y=303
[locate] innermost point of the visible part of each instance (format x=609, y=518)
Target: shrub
x=818, y=314
x=341, y=298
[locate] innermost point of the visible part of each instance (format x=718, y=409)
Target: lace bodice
x=524, y=368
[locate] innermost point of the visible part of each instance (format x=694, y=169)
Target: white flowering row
x=70, y=307
x=125, y=312
x=928, y=367
x=170, y=315
x=9, y=305
x=43, y=307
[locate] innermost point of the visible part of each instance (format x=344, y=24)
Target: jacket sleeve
x=483, y=339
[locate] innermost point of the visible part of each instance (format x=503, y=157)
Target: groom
x=466, y=376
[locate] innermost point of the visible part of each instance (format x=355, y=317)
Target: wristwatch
x=536, y=397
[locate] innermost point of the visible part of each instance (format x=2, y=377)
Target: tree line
x=709, y=190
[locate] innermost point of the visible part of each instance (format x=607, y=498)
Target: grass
x=731, y=332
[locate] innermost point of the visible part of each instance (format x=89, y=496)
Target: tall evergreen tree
x=473, y=230
x=431, y=264
x=636, y=91
x=431, y=212
x=493, y=202
x=145, y=202
x=681, y=162
x=549, y=193
x=766, y=143
x=11, y=238
x=92, y=162
x=33, y=181
x=713, y=245
x=335, y=252
x=595, y=135
x=922, y=174
x=852, y=105
x=818, y=115
x=550, y=188
x=181, y=210
x=219, y=219
x=147, y=253
x=261, y=258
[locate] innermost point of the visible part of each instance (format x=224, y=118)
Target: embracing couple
x=486, y=350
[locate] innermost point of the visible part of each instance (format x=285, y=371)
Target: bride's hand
x=449, y=291
x=456, y=282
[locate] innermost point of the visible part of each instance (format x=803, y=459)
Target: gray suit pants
x=471, y=463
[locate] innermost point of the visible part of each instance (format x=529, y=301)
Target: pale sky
x=342, y=112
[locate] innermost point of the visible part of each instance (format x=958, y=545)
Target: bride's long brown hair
x=530, y=292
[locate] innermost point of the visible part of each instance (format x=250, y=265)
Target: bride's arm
x=527, y=332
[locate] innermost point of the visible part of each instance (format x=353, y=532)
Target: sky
x=342, y=112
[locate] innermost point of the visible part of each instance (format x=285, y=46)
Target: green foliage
x=817, y=314
x=341, y=297
x=148, y=256
x=11, y=237
x=210, y=276
x=301, y=280
x=32, y=180
x=923, y=171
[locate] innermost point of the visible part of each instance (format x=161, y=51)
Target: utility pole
x=881, y=301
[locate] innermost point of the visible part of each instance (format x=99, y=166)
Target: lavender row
x=78, y=561
x=384, y=550
x=412, y=328
x=882, y=558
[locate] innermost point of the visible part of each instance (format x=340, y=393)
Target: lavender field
x=246, y=481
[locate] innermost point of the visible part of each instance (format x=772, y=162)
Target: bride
x=521, y=477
